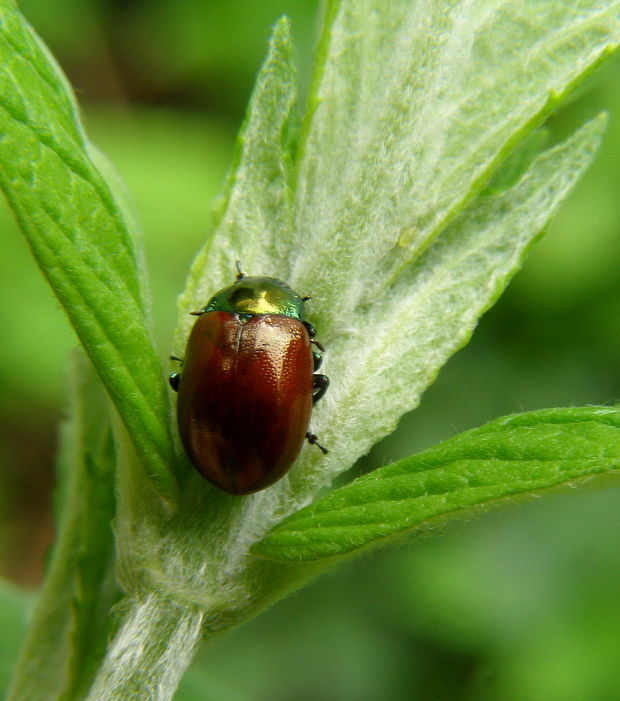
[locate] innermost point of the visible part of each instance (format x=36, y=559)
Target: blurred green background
x=521, y=603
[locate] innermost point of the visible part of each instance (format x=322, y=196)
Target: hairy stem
x=151, y=651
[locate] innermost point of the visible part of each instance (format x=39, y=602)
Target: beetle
x=248, y=384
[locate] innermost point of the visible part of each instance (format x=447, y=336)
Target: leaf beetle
x=248, y=384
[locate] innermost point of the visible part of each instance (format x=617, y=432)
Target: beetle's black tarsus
x=175, y=380
x=317, y=359
x=310, y=329
x=319, y=387
x=307, y=298
x=313, y=440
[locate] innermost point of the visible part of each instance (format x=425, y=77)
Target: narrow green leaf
x=71, y=623
x=77, y=224
x=514, y=455
x=254, y=216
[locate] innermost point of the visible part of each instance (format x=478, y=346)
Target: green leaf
x=510, y=456
x=71, y=623
x=413, y=107
x=416, y=103
x=412, y=329
x=78, y=226
x=254, y=215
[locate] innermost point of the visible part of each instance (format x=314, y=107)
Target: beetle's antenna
x=240, y=273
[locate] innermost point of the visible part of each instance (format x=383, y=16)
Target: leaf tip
x=280, y=35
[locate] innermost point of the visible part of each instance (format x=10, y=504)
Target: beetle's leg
x=175, y=380
x=240, y=273
x=175, y=377
x=312, y=333
x=317, y=344
x=310, y=329
x=313, y=440
x=320, y=383
x=317, y=359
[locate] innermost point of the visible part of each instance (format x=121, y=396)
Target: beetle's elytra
x=247, y=385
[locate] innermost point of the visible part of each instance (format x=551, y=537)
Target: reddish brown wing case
x=245, y=398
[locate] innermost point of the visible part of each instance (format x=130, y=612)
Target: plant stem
x=151, y=650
